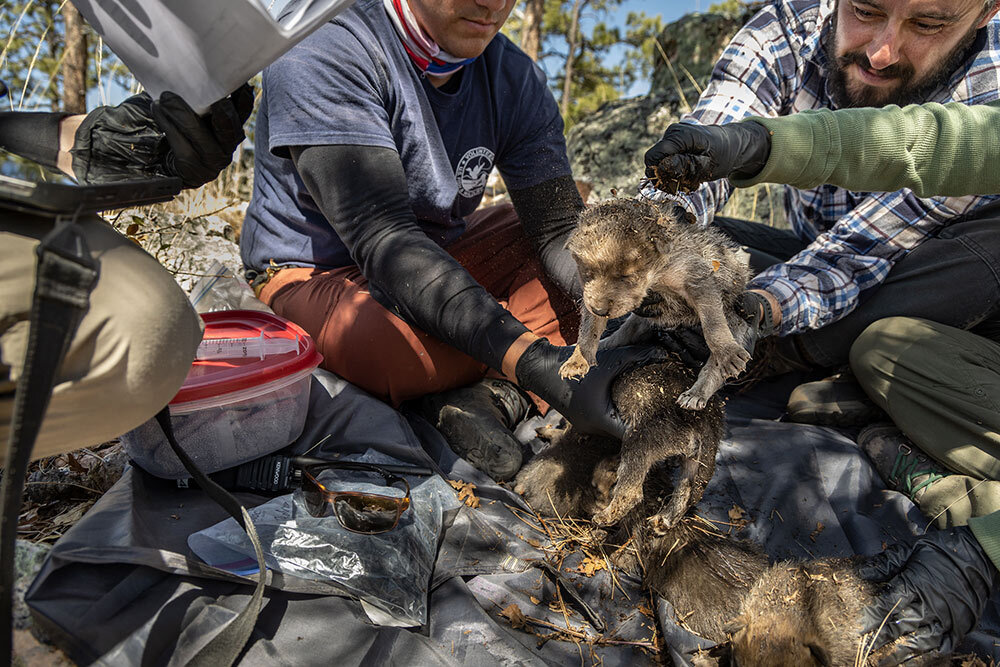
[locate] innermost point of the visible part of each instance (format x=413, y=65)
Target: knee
x=144, y=334
x=868, y=352
x=161, y=336
x=888, y=344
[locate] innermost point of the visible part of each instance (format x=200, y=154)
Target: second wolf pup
x=627, y=250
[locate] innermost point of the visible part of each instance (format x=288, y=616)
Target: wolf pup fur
x=803, y=614
x=626, y=250
x=658, y=433
x=666, y=459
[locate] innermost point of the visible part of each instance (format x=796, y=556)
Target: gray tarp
x=123, y=588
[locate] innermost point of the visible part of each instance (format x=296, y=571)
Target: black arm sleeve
x=34, y=135
x=362, y=191
x=548, y=212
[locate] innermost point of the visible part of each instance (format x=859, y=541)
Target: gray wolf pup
x=629, y=251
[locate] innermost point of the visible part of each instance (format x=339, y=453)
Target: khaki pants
x=130, y=354
x=941, y=386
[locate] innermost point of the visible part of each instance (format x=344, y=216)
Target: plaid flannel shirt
x=774, y=67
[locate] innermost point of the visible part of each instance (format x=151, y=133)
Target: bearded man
x=850, y=258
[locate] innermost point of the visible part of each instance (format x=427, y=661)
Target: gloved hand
x=689, y=155
x=142, y=138
x=935, y=591
x=756, y=311
x=585, y=403
x=119, y=143
x=202, y=146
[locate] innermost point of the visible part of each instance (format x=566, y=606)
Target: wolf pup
x=627, y=250
x=679, y=444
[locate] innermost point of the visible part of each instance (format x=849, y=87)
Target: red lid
x=214, y=377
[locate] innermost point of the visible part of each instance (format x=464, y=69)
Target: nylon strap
x=65, y=276
x=226, y=646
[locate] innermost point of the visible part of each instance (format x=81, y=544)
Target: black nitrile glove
x=202, y=146
x=689, y=155
x=142, y=138
x=935, y=590
x=756, y=311
x=586, y=403
x=119, y=143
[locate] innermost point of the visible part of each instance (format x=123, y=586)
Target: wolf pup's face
x=616, y=255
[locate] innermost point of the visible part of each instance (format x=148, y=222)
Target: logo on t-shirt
x=473, y=170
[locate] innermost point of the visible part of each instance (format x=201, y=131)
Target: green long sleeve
x=987, y=531
x=933, y=149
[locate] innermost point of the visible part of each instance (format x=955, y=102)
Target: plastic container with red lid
x=246, y=396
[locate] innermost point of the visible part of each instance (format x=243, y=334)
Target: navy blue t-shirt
x=352, y=83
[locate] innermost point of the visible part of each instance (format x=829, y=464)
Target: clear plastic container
x=246, y=396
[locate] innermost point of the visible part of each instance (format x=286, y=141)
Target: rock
x=28, y=559
x=606, y=148
x=186, y=246
x=692, y=44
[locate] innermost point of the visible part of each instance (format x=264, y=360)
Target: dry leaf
x=516, y=617
x=131, y=229
x=466, y=492
x=73, y=515
x=819, y=529
x=74, y=464
x=533, y=599
x=589, y=566
x=737, y=513
x=716, y=265
x=645, y=611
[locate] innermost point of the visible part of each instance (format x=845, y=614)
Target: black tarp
x=123, y=588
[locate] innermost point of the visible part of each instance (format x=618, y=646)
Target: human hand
x=586, y=403
x=756, y=311
x=119, y=143
x=142, y=138
x=689, y=155
x=202, y=146
x=935, y=590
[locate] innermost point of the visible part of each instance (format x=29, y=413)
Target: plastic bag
x=390, y=571
x=221, y=289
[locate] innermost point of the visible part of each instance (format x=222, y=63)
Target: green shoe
x=834, y=401
x=902, y=466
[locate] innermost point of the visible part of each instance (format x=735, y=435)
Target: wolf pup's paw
x=731, y=360
x=692, y=400
x=575, y=367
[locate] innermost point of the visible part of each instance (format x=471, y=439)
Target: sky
x=670, y=10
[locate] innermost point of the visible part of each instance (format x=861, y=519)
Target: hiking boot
x=837, y=400
x=478, y=423
x=900, y=464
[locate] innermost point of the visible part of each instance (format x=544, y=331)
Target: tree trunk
x=74, y=69
x=571, y=39
x=531, y=28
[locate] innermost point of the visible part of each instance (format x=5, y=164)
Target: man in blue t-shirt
x=375, y=138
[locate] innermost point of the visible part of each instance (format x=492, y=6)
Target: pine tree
x=49, y=61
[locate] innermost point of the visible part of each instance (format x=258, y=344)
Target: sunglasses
x=357, y=511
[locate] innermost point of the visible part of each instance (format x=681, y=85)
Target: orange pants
x=374, y=349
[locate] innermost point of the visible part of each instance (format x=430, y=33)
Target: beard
x=908, y=89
